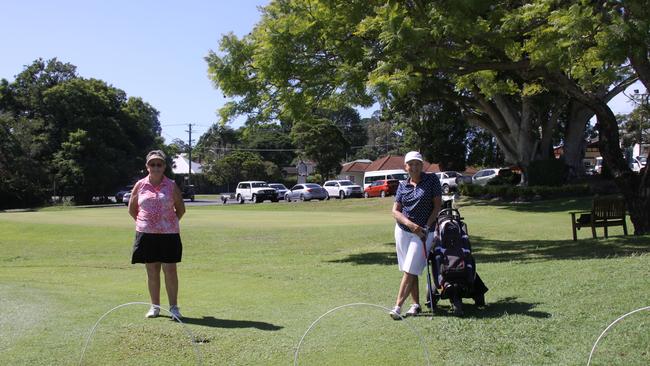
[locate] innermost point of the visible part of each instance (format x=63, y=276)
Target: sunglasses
x=156, y=165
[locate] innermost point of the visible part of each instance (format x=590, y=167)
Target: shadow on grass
x=555, y=205
x=500, y=308
x=385, y=258
x=210, y=321
x=494, y=251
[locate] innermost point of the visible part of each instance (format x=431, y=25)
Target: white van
x=371, y=176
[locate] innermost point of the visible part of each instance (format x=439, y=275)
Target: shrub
x=550, y=172
x=505, y=177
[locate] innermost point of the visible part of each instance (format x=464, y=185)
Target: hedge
x=524, y=193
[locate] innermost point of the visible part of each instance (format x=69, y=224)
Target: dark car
x=188, y=193
x=120, y=194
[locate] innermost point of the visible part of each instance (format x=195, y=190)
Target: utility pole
x=189, y=142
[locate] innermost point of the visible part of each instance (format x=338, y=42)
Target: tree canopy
x=515, y=69
x=67, y=135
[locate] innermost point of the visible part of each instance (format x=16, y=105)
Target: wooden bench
x=605, y=212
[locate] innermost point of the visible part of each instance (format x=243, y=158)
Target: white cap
x=412, y=155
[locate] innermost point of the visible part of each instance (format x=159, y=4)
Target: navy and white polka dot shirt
x=417, y=201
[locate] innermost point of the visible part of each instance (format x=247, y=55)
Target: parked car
x=485, y=175
x=598, y=168
x=120, y=194
x=126, y=197
x=449, y=180
x=256, y=191
x=638, y=163
x=188, y=192
x=342, y=189
x=306, y=192
x=381, y=188
x=280, y=189
x=371, y=176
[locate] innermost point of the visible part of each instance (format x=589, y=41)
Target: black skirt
x=151, y=248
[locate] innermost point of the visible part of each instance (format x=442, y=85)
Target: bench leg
x=624, y=226
x=593, y=231
x=606, y=229
x=575, y=236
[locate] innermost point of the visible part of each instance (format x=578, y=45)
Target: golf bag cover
x=452, y=253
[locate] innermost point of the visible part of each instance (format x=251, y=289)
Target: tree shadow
x=555, y=205
x=383, y=258
x=498, y=309
x=494, y=251
x=210, y=321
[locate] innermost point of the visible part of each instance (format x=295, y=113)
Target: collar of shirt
x=422, y=177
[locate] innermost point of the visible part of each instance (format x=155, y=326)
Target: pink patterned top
x=156, y=214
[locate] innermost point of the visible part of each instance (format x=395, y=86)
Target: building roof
x=355, y=166
x=390, y=162
x=181, y=165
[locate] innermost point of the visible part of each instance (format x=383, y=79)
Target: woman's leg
x=405, y=288
x=415, y=290
x=153, y=281
x=171, y=282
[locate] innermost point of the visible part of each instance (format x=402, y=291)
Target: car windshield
x=398, y=176
x=346, y=183
x=259, y=184
x=312, y=186
x=278, y=186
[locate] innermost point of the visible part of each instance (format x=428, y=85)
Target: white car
x=638, y=163
x=485, y=175
x=342, y=189
x=448, y=181
x=256, y=191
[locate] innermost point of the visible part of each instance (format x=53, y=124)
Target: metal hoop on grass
x=295, y=357
x=199, y=360
x=611, y=325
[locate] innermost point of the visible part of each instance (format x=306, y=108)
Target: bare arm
x=400, y=218
x=133, y=202
x=179, y=205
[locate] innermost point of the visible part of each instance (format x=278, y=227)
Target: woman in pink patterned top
x=156, y=205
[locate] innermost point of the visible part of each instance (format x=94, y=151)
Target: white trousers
x=410, y=252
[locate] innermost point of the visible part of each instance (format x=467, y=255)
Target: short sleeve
x=436, y=189
x=399, y=193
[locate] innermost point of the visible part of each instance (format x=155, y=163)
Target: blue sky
x=150, y=49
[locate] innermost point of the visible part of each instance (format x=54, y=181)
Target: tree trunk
x=574, y=140
x=549, y=123
x=634, y=189
x=525, y=143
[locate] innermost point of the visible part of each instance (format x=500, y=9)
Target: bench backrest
x=606, y=208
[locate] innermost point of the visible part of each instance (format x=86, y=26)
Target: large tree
x=71, y=135
x=321, y=141
x=512, y=66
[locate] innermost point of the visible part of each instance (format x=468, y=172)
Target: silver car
x=126, y=197
x=485, y=175
x=306, y=192
x=280, y=189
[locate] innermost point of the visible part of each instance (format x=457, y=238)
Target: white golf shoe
x=153, y=312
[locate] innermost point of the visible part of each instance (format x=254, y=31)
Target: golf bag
x=454, y=268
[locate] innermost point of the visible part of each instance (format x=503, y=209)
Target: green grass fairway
x=254, y=277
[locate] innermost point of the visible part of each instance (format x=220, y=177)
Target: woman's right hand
x=417, y=230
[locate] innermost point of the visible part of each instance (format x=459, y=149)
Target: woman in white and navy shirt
x=417, y=203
